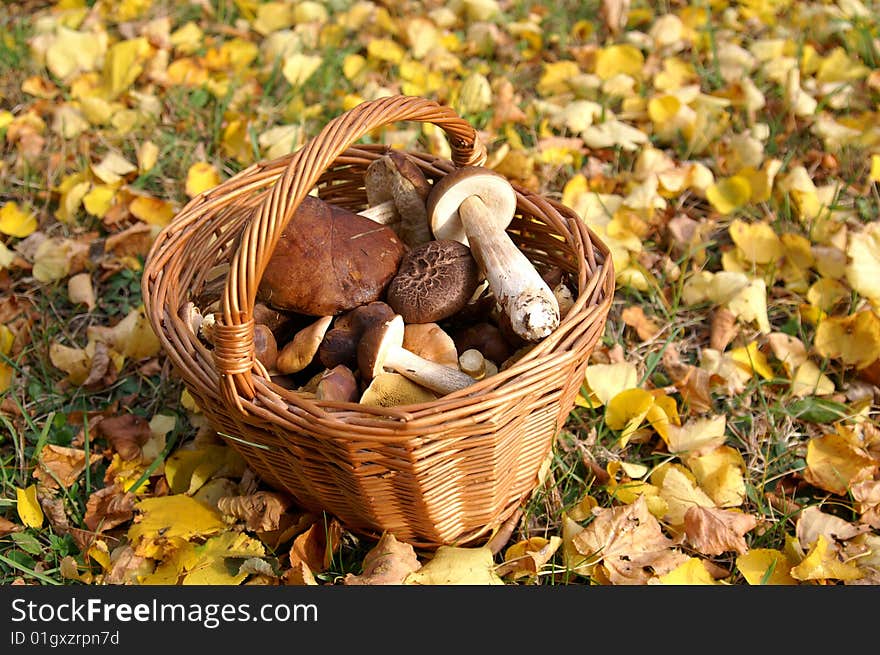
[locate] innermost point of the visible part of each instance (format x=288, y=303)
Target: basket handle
x=234, y=333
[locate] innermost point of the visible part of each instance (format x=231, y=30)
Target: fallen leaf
x=167, y=517
x=453, y=565
x=645, y=327
x=62, y=465
x=680, y=491
x=853, y=339
x=834, y=463
x=713, y=531
x=389, y=562
x=697, y=435
x=16, y=222
x=315, y=547
x=261, y=511
x=109, y=507
x=200, y=177
x=693, y=571
x=28, y=507
x=127, y=433
x=765, y=566
x=813, y=522
x=525, y=558
x=823, y=562
x=81, y=291
x=629, y=543
x=7, y=527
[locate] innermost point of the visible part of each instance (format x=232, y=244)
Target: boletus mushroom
x=434, y=281
x=475, y=205
x=393, y=389
x=381, y=348
x=397, y=191
x=300, y=351
x=329, y=260
x=337, y=384
x=339, y=345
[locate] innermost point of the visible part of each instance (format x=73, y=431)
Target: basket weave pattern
x=443, y=472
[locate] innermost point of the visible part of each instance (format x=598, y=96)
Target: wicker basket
x=439, y=473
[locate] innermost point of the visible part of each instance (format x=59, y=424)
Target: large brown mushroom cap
x=329, y=260
x=434, y=281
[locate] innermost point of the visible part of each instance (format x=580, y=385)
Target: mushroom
x=339, y=345
x=474, y=364
x=338, y=384
x=393, y=389
x=265, y=346
x=397, y=190
x=329, y=260
x=300, y=351
x=381, y=348
x=486, y=338
x=430, y=341
x=475, y=205
x=434, y=281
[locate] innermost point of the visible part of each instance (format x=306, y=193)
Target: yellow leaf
x=691, y=572
x=385, y=50
x=874, y=175
x=273, y=16
x=854, y=339
x=765, y=566
x=863, y=269
x=15, y=222
x=72, y=52
x=719, y=472
x=757, y=241
x=752, y=360
x=823, y=563
x=298, y=68
x=133, y=336
x=619, y=59
x=152, y=210
x=187, y=71
x=452, y=565
x=123, y=64
x=834, y=463
x=556, y=77
x=697, y=435
x=201, y=176
x=627, y=410
x=604, y=381
x=28, y=506
x=729, y=194
x=173, y=516
x=750, y=304
x=188, y=469
x=7, y=339
x=53, y=258
x=147, y=156
x=113, y=167
x=210, y=566
x=808, y=380
x=680, y=492
x=99, y=199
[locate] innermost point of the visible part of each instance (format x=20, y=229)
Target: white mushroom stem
x=433, y=376
x=384, y=213
x=519, y=288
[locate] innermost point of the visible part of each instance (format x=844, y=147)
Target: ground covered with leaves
x=727, y=152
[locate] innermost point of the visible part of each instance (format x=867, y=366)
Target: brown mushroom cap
x=430, y=341
x=338, y=384
x=486, y=338
x=340, y=343
x=265, y=346
x=375, y=345
x=452, y=189
x=434, y=281
x=329, y=260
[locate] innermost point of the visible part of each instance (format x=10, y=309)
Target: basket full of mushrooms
x=389, y=336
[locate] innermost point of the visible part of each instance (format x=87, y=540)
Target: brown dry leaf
x=387, y=563
x=102, y=369
x=60, y=464
x=867, y=495
x=813, y=522
x=109, y=507
x=629, y=542
x=724, y=329
x=693, y=383
x=525, y=558
x=126, y=433
x=53, y=510
x=260, y=511
x=127, y=567
x=299, y=574
x=7, y=527
x=645, y=327
x=713, y=531
x=81, y=291
x=314, y=548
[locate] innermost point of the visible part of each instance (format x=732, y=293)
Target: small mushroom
x=299, y=352
x=381, y=348
x=337, y=384
x=434, y=281
x=329, y=260
x=393, y=389
x=486, y=338
x=339, y=345
x=474, y=364
x=265, y=346
x=430, y=341
x=475, y=205
x=397, y=188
